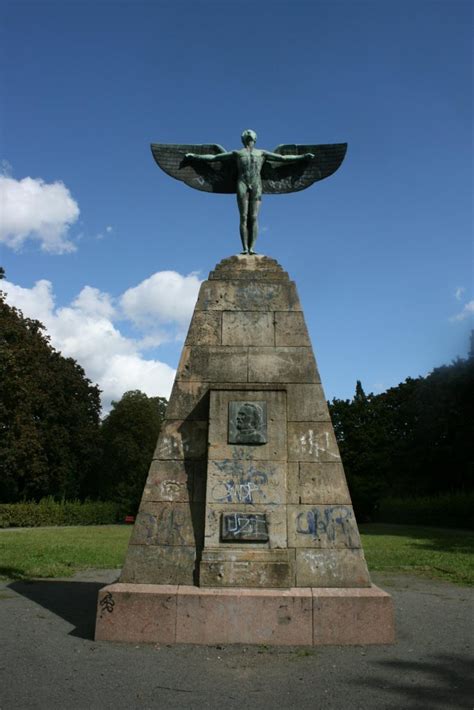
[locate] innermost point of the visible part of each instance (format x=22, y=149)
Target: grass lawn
x=60, y=552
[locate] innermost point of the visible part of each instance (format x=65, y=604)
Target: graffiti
x=313, y=445
x=107, y=603
x=240, y=485
x=329, y=522
x=244, y=526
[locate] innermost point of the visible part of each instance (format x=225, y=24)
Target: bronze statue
x=249, y=172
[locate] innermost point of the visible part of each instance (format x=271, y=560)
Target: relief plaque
x=247, y=423
x=250, y=527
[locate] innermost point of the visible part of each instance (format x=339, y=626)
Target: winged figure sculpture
x=249, y=172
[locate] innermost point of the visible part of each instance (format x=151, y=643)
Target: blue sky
x=108, y=251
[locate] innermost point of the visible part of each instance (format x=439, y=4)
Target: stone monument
x=246, y=531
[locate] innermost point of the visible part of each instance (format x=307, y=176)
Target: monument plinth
x=246, y=531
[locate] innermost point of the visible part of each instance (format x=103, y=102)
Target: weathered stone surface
x=213, y=364
x=176, y=480
x=247, y=328
x=290, y=329
x=306, y=403
x=283, y=364
x=263, y=616
x=169, y=524
x=355, y=616
x=323, y=526
x=205, y=328
x=149, y=564
x=247, y=568
x=189, y=400
x=169, y=481
x=323, y=484
x=254, y=268
x=142, y=613
x=276, y=516
x=182, y=439
x=240, y=295
x=331, y=568
x=149, y=613
x=312, y=441
x=237, y=481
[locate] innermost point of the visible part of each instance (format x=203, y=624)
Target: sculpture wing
x=209, y=177
x=291, y=177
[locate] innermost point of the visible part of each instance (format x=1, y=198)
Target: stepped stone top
x=242, y=266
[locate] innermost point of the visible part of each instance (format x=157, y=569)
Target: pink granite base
x=151, y=613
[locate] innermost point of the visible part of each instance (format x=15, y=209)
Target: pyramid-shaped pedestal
x=246, y=489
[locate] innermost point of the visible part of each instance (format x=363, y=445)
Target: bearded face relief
x=247, y=423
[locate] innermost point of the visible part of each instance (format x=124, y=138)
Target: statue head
x=248, y=135
x=249, y=418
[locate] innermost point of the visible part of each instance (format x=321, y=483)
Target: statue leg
x=243, y=203
x=253, y=223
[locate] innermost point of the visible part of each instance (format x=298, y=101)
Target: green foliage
x=51, y=512
x=49, y=415
x=60, y=552
x=128, y=436
x=449, y=510
x=414, y=440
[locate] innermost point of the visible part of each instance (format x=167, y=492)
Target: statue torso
x=249, y=165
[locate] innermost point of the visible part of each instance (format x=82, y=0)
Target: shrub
x=51, y=512
x=450, y=510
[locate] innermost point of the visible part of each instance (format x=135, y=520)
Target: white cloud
x=87, y=330
x=33, y=209
x=458, y=294
x=109, y=229
x=164, y=297
x=466, y=312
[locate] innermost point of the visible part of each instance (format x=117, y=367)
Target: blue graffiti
x=329, y=522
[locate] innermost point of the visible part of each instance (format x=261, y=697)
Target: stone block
x=276, y=447
x=182, y=440
x=276, y=518
x=241, y=295
x=169, y=481
x=290, y=329
x=213, y=364
x=247, y=568
x=149, y=564
x=253, y=268
x=355, y=616
x=283, y=364
x=322, y=526
x=306, y=403
x=238, y=482
x=189, y=400
x=142, y=613
x=263, y=616
x=331, y=568
x=205, y=328
x=323, y=484
x=312, y=441
x=247, y=328
x=179, y=524
x=292, y=483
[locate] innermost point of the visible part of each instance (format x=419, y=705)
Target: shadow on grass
x=434, y=539
x=75, y=602
x=442, y=682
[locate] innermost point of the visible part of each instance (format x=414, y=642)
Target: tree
x=49, y=415
x=412, y=440
x=129, y=434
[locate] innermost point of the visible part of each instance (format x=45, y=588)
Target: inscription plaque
x=247, y=423
x=251, y=527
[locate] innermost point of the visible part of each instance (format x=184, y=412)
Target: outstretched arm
x=209, y=158
x=277, y=158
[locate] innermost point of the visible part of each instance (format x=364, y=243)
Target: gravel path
x=48, y=659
